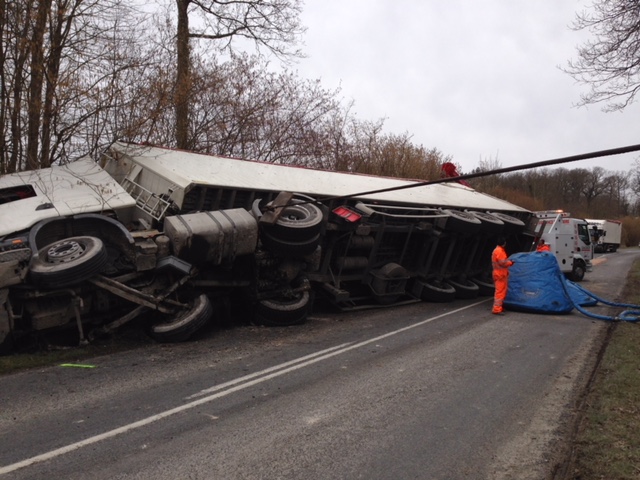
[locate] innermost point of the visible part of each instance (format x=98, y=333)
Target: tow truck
x=569, y=240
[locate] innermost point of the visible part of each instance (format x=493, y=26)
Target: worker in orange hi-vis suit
x=501, y=264
x=543, y=247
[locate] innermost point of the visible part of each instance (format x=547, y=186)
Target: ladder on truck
x=147, y=201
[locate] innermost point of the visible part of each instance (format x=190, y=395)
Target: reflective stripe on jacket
x=500, y=261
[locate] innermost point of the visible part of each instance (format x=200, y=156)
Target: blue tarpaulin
x=578, y=295
x=536, y=284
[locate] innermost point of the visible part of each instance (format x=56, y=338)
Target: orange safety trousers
x=500, y=281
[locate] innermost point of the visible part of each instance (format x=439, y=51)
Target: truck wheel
x=491, y=225
x=579, y=269
x=485, y=289
x=461, y=222
x=436, y=291
x=284, y=311
x=186, y=323
x=464, y=289
x=299, y=222
x=289, y=248
x=511, y=224
x=68, y=262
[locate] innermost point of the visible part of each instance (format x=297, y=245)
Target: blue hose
x=626, y=315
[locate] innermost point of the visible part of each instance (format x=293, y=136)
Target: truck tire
x=185, y=324
x=579, y=269
x=485, y=288
x=462, y=222
x=284, y=311
x=436, y=291
x=68, y=262
x=298, y=222
x=289, y=248
x=464, y=288
x=511, y=224
x=491, y=225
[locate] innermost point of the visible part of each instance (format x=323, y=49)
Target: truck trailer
x=607, y=234
x=173, y=238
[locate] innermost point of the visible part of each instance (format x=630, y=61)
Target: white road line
x=234, y=386
x=262, y=372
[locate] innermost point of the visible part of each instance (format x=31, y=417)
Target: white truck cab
x=606, y=234
x=29, y=197
x=569, y=240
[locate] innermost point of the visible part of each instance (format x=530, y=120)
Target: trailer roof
x=599, y=221
x=186, y=169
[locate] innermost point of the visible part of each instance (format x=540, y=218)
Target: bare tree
x=336, y=145
x=393, y=155
x=615, y=197
x=64, y=74
x=244, y=109
x=594, y=193
x=15, y=51
x=610, y=62
x=489, y=183
x=271, y=24
x=594, y=185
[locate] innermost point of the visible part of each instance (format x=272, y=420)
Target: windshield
x=12, y=194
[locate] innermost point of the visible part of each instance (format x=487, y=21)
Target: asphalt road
x=424, y=391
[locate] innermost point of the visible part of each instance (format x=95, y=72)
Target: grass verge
x=607, y=445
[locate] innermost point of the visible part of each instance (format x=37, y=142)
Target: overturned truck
x=169, y=236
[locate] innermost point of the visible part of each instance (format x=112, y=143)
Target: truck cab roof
x=77, y=187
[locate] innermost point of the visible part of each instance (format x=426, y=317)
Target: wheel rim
x=65, y=251
x=300, y=216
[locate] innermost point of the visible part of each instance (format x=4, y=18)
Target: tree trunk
x=183, y=74
x=59, y=29
x=35, y=87
x=4, y=154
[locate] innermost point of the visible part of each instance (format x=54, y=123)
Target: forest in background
x=585, y=193
x=78, y=75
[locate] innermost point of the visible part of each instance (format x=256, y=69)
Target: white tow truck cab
x=569, y=240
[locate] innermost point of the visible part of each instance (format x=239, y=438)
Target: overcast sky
x=478, y=80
